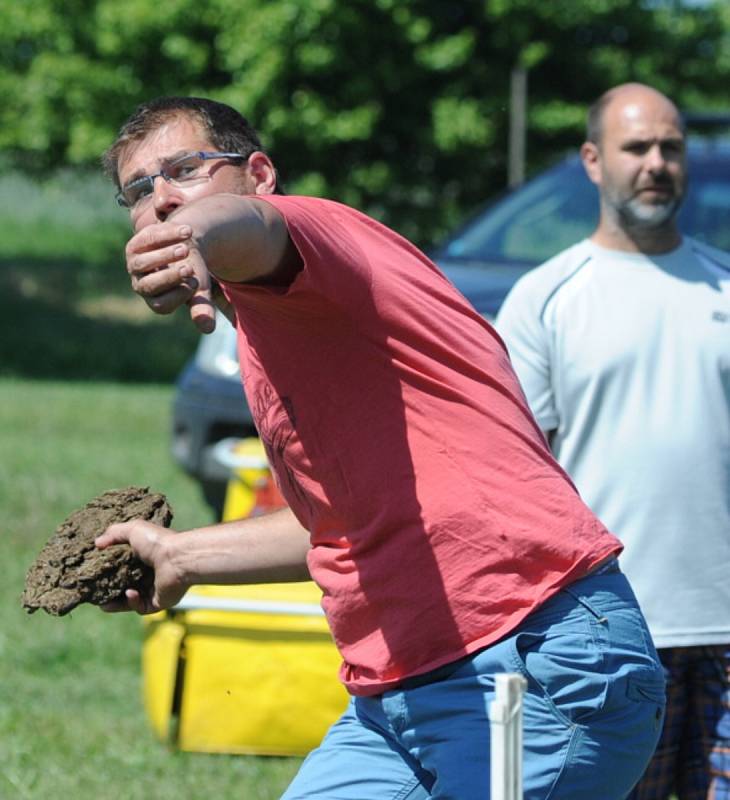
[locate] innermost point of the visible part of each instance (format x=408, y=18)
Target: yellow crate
x=260, y=681
x=243, y=669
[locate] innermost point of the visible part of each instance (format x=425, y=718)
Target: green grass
x=66, y=305
x=71, y=716
x=70, y=222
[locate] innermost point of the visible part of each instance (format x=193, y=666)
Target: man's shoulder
x=565, y=261
x=540, y=282
x=310, y=203
x=300, y=201
x=328, y=217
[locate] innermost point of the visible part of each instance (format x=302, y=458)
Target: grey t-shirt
x=627, y=358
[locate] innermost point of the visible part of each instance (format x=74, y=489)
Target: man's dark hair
x=227, y=130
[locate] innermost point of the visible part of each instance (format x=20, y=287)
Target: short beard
x=644, y=216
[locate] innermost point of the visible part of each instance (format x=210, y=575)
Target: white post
x=505, y=718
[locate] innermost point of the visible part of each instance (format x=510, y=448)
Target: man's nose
x=655, y=159
x=166, y=198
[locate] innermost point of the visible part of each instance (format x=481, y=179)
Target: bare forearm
x=265, y=549
x=239, y=239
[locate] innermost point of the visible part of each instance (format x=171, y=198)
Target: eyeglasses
x=185, y=169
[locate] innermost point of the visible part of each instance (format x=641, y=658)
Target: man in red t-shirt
x=423, y=500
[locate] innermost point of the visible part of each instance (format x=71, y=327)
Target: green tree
x=399, y=107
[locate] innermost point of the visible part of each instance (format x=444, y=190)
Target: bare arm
x=226, y=236
x=265, y=549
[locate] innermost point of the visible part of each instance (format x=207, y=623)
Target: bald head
x=628, y=100
x=636, y=156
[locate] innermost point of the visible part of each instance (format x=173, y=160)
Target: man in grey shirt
x=622, y=345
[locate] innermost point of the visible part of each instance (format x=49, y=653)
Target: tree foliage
x=399, y=107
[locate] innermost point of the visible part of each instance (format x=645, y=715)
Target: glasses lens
x=184, y=169
x=137, y=190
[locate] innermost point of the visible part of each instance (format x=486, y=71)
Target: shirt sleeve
x=521, y=325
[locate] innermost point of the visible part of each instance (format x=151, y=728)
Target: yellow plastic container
x=244, y=669
x=251, y=489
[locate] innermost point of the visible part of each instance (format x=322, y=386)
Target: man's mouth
x=657, y=190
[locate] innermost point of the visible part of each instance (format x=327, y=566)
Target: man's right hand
x=150, y=543
x=168, y=271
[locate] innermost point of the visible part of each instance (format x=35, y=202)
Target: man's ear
x=263, y=172
x=591, y=158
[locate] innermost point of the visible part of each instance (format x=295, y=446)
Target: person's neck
x=653, y=241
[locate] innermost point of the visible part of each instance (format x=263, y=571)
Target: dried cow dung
x=70, y=569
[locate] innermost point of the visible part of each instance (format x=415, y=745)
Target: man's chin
x=649, y=215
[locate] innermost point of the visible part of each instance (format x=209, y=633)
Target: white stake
x=505, y=718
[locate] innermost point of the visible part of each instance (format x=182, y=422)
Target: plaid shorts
x=692, y=759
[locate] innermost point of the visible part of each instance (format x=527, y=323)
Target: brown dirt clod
x=70, y=569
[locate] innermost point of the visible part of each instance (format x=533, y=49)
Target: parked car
x=483, y=259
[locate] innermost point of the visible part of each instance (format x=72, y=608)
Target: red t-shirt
x=402, y=441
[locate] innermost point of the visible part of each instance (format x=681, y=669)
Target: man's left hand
x=168, y=271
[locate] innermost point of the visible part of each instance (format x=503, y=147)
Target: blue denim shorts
x=592, y=712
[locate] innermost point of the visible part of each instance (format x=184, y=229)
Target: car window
x=549, y=213
x=560, y=206
x=706, y=208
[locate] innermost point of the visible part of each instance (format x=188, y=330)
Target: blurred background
x=418, y=112
x=415, y=111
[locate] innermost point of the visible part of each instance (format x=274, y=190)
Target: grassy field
x=71, y=718
x=66, y=306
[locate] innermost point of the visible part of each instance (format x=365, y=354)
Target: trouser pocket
x=589, y=656
x=565, y=670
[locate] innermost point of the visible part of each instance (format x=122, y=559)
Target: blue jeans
x=592, y=712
